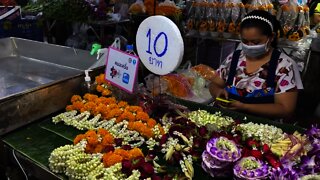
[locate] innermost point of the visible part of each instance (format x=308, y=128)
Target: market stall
x=69, y=115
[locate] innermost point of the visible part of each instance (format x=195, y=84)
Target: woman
x=259, y=79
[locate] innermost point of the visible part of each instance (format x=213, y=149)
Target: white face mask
x=255, y=50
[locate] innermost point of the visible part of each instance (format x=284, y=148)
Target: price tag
x=159, y=45
x=121, y=69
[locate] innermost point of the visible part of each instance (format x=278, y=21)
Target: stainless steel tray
x=37, y=79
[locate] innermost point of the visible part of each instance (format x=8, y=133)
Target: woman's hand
x=217, y=91
x=236, y=105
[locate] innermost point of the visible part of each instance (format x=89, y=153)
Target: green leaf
x=35, y=143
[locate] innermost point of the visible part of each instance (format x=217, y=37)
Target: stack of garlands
x=97, y=154
x=105, y=109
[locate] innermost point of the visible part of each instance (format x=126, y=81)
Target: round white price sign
x=159, y=44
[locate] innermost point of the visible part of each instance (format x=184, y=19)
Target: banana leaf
x=35, y=143
x=60, y=129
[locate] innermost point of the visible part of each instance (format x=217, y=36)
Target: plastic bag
x=205, y=71
x=137, y=7
x=178, y=85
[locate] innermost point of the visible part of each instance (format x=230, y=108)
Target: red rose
x=265, y=148
x=272, y=160
x=256, y=153
x=253, y=143
x=148, y=168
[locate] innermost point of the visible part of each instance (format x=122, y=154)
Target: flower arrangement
x=125, y=142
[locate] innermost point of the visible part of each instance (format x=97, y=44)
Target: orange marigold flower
x=134, y=109
x=125, y=154
x=151, y=123
x=139, y=125
x=116, y=112
x=78, y=138
x=90, y=106
x=131, y=125
x=75, y=98
x=147, y=132
x=90, y=133
x=101, y=108
x=70, y=108
x=103, y=132
x=162, y=132
x=92, y=140
x=142, y=116
x=78, y=105
x=98, y=148
x=107, y=140
x=111, y=100
x=113, y=106
x=101, y=79
x=89, y=148
x=125, y=116
x=136, y=152
x=90, y=97
x=122, y=104
x=99, y=88
x=106, y=92
x=111, y=159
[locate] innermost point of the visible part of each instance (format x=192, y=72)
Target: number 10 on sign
x=160, y=35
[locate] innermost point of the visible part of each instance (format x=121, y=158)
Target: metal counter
x=37, y=79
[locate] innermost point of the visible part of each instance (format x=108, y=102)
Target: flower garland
x=118, y=155
x=103, y=86
x=267, y=134
x=97, y=141
x=203, y=118
x=108, y=109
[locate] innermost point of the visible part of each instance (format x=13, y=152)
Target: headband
x=260, y=18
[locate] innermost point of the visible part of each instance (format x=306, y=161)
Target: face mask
x=255, y=50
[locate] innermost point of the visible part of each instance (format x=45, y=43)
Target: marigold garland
x=112, y=158
x=97, y=141
x=103, y=86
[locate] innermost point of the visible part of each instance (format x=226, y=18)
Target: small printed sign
x=121, y=69
x=160, y=45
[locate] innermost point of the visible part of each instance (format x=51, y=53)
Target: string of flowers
x=103, y=86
